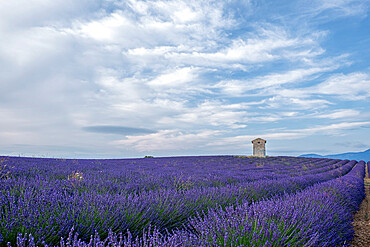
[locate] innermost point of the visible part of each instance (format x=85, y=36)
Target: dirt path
x=361, y=222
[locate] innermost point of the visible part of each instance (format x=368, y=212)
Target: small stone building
x=259, y=149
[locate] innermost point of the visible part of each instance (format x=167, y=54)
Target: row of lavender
x=147, y=174
x=317, y=216
x=47, y=197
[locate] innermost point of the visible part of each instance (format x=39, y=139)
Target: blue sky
x=95, y=79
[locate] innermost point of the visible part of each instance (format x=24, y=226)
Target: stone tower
x=259, y=147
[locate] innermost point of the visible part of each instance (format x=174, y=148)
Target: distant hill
x=365, y=155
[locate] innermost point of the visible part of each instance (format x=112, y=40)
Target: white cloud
x=353, y=86
x=148, y=24
x=156, y=51
x=36, y=13
x=109, y=29
x=339, y=8
x=342, y=113
x=175, y=79
x=9, y=133
x=271, y=81
x=249, y=51
x=332, y=128
x=271, y=116
x=213, y=49
x=275, y=83
x=23, y=47
x=186, y=15
x=295, y=103
x=210, y=113
x=168, y=140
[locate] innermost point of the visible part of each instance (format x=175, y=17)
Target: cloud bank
x=122, y=78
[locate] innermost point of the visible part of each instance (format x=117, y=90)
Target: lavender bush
x=318, y=216
x=174, y=201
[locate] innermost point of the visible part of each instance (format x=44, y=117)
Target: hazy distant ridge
x=365, y=155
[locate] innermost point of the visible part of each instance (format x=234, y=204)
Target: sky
x=119, y=79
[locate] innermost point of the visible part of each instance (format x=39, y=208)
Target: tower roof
x=259, y=139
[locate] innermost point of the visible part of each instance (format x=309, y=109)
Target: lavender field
x=179, y=201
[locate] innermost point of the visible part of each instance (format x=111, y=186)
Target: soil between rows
x=361, y=221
